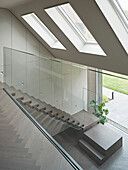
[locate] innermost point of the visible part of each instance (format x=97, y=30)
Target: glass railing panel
x=57, y=84
x=88, y=97
x=66, y=88
x=18, y=70
x=32, y=75
x=115, y=95
x=7, y=66
x=61, y=86
x=45, y=80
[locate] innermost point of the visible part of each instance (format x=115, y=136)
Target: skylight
x=43, y=31
x=74, y=18
x=72, y=26
x=121, y=8
x=124, y=6
x=116, y=12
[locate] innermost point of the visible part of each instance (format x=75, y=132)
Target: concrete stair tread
x=19, y=96
x=26, y=101
x=48, y=109
x=102, y=136
x=54, y=112
x=34, y=104
x=42, y=106
x=90, y=149
x=88, y=119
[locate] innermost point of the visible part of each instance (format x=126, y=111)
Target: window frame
x=45, y=29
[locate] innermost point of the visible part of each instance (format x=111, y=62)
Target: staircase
x=100, y=142
x=53, y=120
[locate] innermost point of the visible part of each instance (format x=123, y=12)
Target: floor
x=38, y=145
x=118, y=107
x=17, y=129
x=118, y=161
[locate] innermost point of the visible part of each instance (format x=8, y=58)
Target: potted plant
x=99, y=111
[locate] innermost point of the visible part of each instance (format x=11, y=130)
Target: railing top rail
x=50, y=59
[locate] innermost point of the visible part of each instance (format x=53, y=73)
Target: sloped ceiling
x=12, y=3
x=116, y=59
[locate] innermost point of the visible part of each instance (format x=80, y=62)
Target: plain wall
x=15, y=35
x=58, y=84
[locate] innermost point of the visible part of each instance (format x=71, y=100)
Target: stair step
x=86, y=119
x=66, y=118
x=26, y=101
x=53, y=113
x=48, y=110
x=41, y=107
x=71, y=120
x=103, y=138
x=19, y=96
x=34, y=104
x=97, y=156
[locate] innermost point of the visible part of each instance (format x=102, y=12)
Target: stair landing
x=89, y=120
x=100, y=142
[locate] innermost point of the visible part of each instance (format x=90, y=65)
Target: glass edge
x=70, y=160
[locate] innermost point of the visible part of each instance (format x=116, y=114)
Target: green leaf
x=99, y=111
x=102, y=104
x=93, y=103
x=106, y=112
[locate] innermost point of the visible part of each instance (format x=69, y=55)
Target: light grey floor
x=118, y=108
x=118, y=161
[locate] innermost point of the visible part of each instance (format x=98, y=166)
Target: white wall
x=55, y=83
x=62, y=85
x=14, y=34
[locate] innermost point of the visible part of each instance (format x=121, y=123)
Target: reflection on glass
x=77, y=21
x=124, y=6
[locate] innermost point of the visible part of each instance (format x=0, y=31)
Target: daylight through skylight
x=69, y=11
x=43, y=31
x=116, y=12
x=124, y=6
x=73, y=27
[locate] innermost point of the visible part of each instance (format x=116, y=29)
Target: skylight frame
x=116, y=18
x=119, y=11
x=54, y=42
x=70, y=22
x=73, y=25
x=69, y=28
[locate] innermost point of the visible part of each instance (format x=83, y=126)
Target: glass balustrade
x=61, y=90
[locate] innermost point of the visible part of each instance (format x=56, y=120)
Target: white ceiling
x=116, y=59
